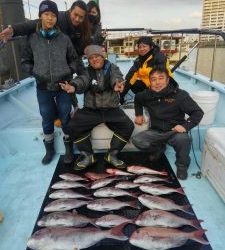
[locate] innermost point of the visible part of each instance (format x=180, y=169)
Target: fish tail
x=117, y=232
x=197, y=236
x=180, y=190
x=163, y=173
x=196, y=223
x=133, y=204
x=186, y=209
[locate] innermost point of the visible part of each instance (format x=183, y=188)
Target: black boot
x=84, y=160
x=68, y=157
x=50, y=151
x=117, y=144
x=182, y=173
x=156, y=152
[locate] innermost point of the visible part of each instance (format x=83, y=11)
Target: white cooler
x=213, y=164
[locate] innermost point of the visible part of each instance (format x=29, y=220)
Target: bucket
x=207, y=100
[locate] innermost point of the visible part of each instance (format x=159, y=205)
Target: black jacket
x=168, y=107
x=64, y=24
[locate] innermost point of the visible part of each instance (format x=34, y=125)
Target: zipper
x=49, y=58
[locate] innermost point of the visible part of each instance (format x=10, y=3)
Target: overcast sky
x=154, y=14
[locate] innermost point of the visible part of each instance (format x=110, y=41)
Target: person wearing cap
x=167, y=106
x=137, y=78
x=51, y=58
x=73, y=22
x=101, y=86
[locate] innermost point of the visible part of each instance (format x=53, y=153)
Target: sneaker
x=84, y=160
x=182, y=173
x=112, y=159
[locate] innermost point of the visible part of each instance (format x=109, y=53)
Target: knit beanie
x=145, y=40
x=48, y=5
x=94, y=49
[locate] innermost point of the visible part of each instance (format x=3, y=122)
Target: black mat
x=131, y=158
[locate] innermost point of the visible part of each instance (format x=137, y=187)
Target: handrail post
x=213, y=59
x=181, y=44
x=196, y=60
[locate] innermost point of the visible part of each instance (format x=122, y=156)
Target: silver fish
x=162, y=218
x=126, y=185
x=112, y=220
x=72, y=177
x=68, y=194
x=152, y=238
x=65, y=219
x=102, y=182
x=144, y=170
x=64, y=205
x=155, y=202
x=158, y=189
x=110, y=204
x=68, y=184
x=149, y=179
x=112, y=192
x=65, y=238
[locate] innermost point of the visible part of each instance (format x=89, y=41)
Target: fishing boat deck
x=24, y=180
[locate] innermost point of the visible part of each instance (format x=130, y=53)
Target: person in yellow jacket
x=137, y=79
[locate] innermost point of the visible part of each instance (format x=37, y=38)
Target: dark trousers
x=153, y=141
x=86, y=119
x=52, y=103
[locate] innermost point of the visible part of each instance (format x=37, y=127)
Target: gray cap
x=94, y=50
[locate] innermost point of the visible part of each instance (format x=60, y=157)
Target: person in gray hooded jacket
x=101, y=86
x=51, y=58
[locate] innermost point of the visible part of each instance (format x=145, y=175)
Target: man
x=167, y=106
x=101, y=87
x=137, y=79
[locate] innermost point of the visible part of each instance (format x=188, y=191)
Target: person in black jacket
x=74, y=23
x=137, y=78
x=101, y=86
x=50, y=57
x=167, y=106
x=94, y=16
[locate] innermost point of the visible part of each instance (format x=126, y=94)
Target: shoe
x=68, y=157
x=50, y=151
x=182, y=173
x=84, y=160
x=111, y=158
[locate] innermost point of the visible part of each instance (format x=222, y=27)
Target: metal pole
x=28, y=1
x=213, y=59
x=181, y=44
x=196, y=60
x=66, y=5
x=14, y=58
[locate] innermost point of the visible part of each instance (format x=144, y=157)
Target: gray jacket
x=98, y=86
x=51, y=61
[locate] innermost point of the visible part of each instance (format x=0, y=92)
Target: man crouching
x=101, y=87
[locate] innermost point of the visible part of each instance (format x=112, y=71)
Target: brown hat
x=94, y=50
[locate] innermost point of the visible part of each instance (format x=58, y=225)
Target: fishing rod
x=183, y=58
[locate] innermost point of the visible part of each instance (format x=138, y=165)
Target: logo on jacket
x=169, y=100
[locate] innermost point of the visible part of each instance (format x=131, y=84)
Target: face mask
x=92, y=18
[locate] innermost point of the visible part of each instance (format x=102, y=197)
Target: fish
x=144, y=170
x=157, y=238
x=112, y=220
x=68, y=194
x=72, y=177
x=68, y=184
x=64, y=205
x=67, y=238
x=114, y=171
x=96, y=176
x=126, y=185
x=155, y=202
x=112, y=192
x=107, y=204
x=149, y=179
x=162, y=218
x=158, y=189
x=102, y=182
x=65, y=219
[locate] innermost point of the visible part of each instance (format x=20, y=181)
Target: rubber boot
x=50, y=151
x=117, y=145
x=182, y=173
x=156, y=152
x=68, y=157
x=84, y=160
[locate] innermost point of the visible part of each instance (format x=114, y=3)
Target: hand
x=139, y=120
x=104, y=33
x=119, y=86
x=179, y=129
x=6, y=34
x=67, y=87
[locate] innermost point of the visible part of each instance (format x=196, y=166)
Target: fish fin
x=117, y=232
x=180, y=190
x=197, y=236
x=196, y=223
x=186, y=209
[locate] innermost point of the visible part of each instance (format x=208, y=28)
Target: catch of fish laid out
x=122, y=205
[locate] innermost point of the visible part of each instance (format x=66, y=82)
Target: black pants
x=86, y=119
x=153, y=141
